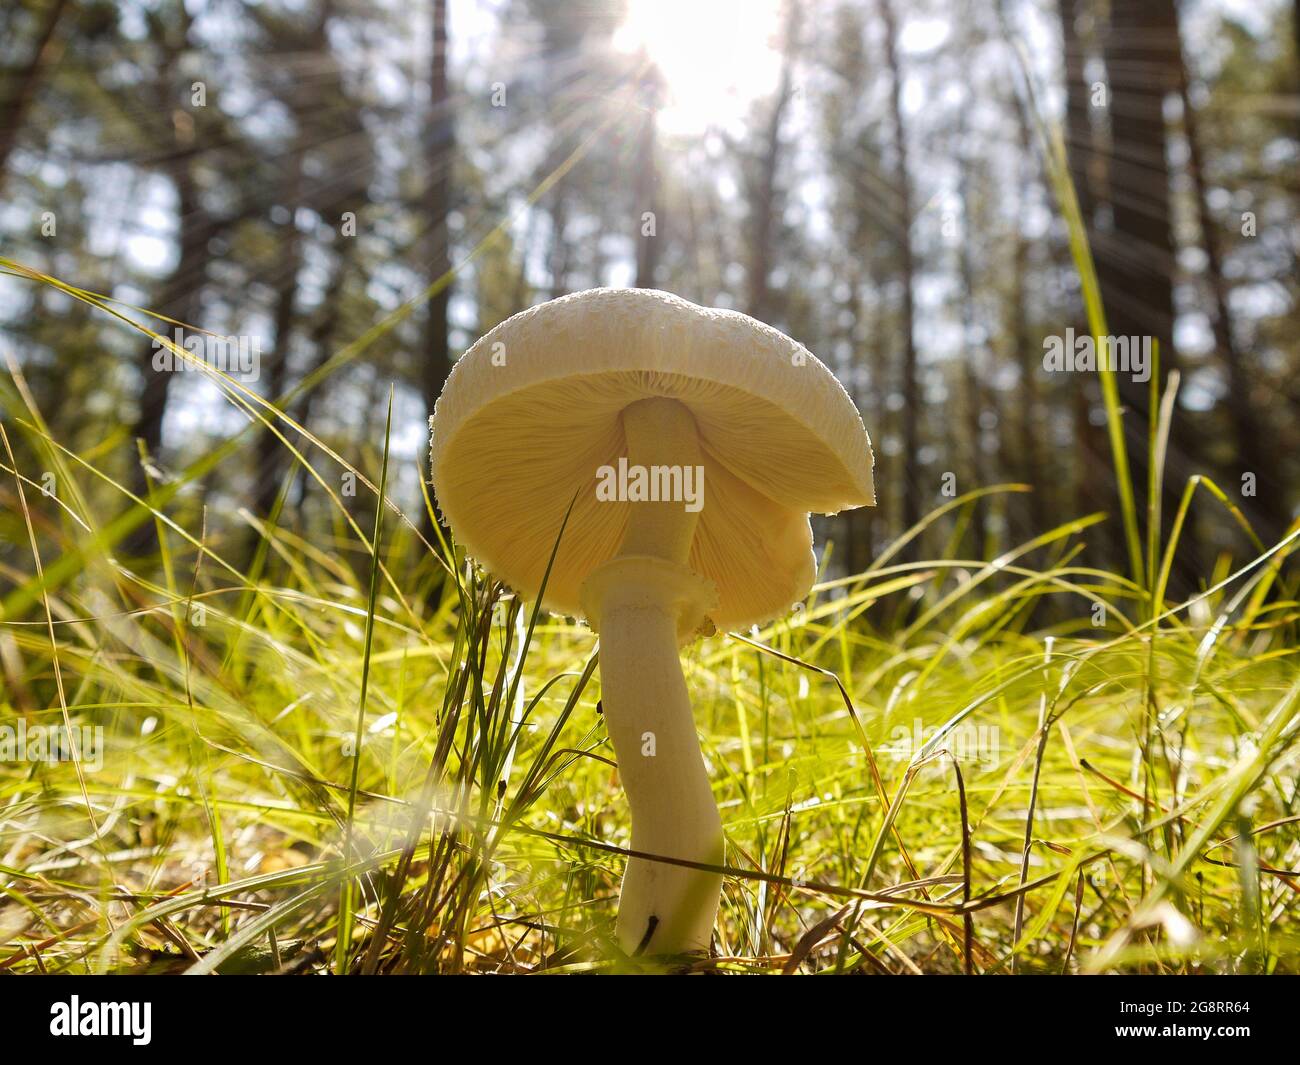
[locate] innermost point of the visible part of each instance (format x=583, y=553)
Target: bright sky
x=716, y=56
x=719, y=56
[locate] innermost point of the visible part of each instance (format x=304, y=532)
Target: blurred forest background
x=364, y=188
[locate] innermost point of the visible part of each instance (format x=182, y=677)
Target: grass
x=1123, y=795
x=356, y=753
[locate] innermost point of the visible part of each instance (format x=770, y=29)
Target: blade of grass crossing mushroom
x=501, y=727
x=343, y=943
x=457, y=688
x=502, y=738
x=453, y=694
x=527, y=636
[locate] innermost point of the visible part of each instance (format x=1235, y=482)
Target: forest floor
x=932, y=766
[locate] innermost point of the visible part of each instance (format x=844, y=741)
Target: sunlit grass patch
x=1153, y=779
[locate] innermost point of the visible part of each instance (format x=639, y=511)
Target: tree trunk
x=1266, y=510
x=1135, y=254
x=647, y=183
x=1032, y=466
x=181, y=295
x=18, y=96
x=858, y=524
x=973, y=355
x=441, y=141
x=180, y=300
x=273, y=457
x=1083, y=158
x=321, y=338
x=764, y=208
x=913, y=491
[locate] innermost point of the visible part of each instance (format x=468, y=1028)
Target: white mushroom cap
x=533, y=410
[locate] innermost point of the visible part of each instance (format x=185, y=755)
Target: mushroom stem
x=643, y=602
x=663, y=909
x=661, y=432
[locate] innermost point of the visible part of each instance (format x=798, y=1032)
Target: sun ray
x=715, y=57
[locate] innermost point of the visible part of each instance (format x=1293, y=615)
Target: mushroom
x=692, y=444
